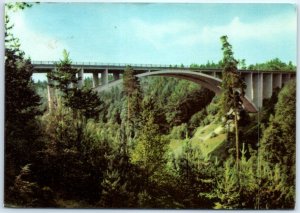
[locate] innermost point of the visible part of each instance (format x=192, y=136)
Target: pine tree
x=84, y=102
x=21, y=101
x=114, y=190
x=227, y=189
x=248, y=180
x=232, y=90
x=64, y=76
x=278, y=152
x=196, y=176
x=22, y=129
x=150, y=146
x=131, y=87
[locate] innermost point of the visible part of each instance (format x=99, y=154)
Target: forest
x=155, y=142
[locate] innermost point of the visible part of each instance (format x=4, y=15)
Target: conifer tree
x=22, y=130
x=278, y=152
x=232, y=90
x=131, y=87
x=150, y=148
x=114, y=190
x=21, y=101
x=83, y=101
x=64, y=76
x=227, y=189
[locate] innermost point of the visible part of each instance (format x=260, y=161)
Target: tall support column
x=248, y=77
x=95, y=79
x=258, y=89
x=80, y=78
x=286, y=78
x=116, y=76
x=277, y=80
x=267, y=85
x=214, y=74
x=104, y=77
x=51, y=95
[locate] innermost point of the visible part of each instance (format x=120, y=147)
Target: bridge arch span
x=207, y=81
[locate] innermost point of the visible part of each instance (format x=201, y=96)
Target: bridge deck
x=92, y=67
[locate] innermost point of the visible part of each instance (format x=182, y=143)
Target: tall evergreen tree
x=131, y=87
x=232, y=90
x=150, y=148
x=64, y=76
x=278, y=150
x=21, y=105
x=82, y=100
x=114, y=189
x=21, y=101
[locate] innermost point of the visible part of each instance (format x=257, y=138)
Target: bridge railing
x=111, y=64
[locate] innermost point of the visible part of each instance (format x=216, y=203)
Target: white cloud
x=36, y=45
x=167, y=34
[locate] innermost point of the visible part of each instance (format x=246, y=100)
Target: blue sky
x=157, y=33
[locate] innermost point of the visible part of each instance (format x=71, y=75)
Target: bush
x=206, y=121
x=213, y=107
x=196, y=120
x=179, y=132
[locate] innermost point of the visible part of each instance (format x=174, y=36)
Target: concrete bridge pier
x=104, y=77
x=267, y=85
x=95, y=79
x=80, y=78
x=248, y=78
x=277, y=80
x=51, y=95
x=286, y=78
x=257, y=89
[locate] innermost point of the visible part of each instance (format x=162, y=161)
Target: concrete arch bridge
x=260, y=84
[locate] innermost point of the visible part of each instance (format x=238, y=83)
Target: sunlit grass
x=211, y=144
x=176, y=146
x=206, y=138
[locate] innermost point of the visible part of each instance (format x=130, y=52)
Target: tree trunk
x=236, y=139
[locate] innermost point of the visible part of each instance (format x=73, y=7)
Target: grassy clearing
x=207, y=138
x=211, y=144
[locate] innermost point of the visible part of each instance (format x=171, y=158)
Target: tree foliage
x=22, y=130
x=64, y=76
x=132, y=90
x=274, y=64
x=233, y=89
x=82, y=100
x=150, y=146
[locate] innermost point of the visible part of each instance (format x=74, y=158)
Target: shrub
x=179, y=132
x=196, y=120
